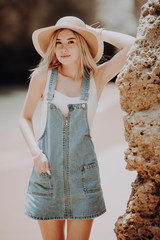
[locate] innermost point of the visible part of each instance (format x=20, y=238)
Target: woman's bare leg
x=79, y=229
x=52, y=229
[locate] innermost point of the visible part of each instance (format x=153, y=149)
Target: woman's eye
x=58, y=42
x=70, y=42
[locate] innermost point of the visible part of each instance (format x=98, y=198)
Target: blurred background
x=18, y=19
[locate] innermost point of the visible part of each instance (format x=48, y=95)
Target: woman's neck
x=71, y=71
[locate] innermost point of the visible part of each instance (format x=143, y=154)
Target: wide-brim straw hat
x=41, y=37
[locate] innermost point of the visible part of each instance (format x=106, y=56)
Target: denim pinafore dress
x=73, y=190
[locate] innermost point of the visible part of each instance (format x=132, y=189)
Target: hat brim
x=41, y=38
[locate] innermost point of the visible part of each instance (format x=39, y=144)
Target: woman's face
x=67, y=50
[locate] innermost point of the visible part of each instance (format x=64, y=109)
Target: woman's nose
x=64, y=47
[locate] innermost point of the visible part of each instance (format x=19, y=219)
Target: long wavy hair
x=50, y=60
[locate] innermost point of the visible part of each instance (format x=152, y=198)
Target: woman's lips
x=65, y=56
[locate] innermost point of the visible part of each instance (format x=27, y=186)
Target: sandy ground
x=16, y=165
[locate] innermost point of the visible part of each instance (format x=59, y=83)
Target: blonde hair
x=50, y=60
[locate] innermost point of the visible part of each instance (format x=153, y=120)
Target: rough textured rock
x=138, y=4
x=139, y=85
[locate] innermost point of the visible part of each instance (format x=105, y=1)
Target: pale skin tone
x=69, y=83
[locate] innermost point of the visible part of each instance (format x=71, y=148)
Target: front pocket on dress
x=40, y=184
x=90, y=177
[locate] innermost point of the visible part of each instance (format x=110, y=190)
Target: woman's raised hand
x=97, y=30
x=41, y=163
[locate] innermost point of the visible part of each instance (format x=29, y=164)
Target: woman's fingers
x=46, y=165
x=42, y=164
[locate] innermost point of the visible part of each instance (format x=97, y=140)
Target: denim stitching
x=85, y=87
x=81, y=217
x=65, y=202
x=52, y=84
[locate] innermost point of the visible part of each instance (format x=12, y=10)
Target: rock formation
x=139, y=85
x=138, y=4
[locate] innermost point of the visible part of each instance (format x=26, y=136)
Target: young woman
x=65, y=182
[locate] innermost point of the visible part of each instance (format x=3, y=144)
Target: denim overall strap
x=85, y=86
x=53, y=81
x=52, y=84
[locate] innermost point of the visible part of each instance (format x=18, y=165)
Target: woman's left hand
x=97, y=30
